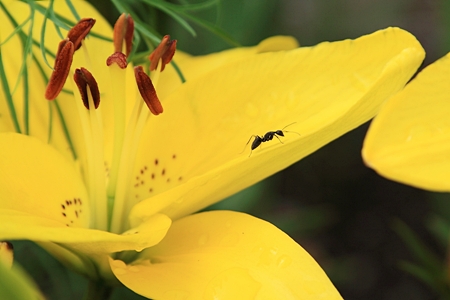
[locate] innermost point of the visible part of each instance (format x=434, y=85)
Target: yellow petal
x=192, y=155
x=409, y=141
x=21, y=225
x=194, y=66
x=225, y=255
x=44, y=199
x=36, y=179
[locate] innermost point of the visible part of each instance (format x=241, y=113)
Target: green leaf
x=164, y=7
x=16, y=285
x=213, y=28
x=425, y=256
x=73, y=10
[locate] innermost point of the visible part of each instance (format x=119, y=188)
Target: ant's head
x=279, y=132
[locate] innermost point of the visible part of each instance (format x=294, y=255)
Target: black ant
x=267, y=137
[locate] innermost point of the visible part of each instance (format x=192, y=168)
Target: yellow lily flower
x=409, y=141
x=135, y=224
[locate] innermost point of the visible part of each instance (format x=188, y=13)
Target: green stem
x=98, y=290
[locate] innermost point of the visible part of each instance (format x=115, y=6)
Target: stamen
x=83, y=78
x=123, y=31
x=147, y=91
x=119, y=58
x=164, y=52
x=80, y=31
x=63, y=61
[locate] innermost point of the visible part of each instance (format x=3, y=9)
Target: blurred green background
x=352, y=221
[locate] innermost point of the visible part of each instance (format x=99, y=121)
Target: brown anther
x=164, y=51
x=84, y=79
x=80, y=31
x=63, y=61
x=147, y=91
x=119, y=58
x=123, y=31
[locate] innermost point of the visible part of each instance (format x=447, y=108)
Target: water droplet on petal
x=230, y=239
x=284, y=261
x=267, y=255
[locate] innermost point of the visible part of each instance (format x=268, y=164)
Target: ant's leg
x=253, y=136
x=278, y=138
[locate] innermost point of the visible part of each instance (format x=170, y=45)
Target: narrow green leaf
x=162, y=6
x=73, y=10
x=17, y=29
x=421, y=273
x=194, y=6
x=8, y=96
x=438, y=282
x=66, y=24
x=424, y=255
x=440, y=228
x=212, y=28
x=42, y=41
x=178, y=70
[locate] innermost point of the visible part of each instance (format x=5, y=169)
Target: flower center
x=108, y=194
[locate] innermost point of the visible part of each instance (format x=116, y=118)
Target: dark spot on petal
x=163, y=172
x=174, y=156
x=153, y=175
x=64, y=214
x=142, y=182
x=63, y=206
x=76, y=214
x=180, y=178
x=168, y=180
x=156, y=162
x=150, y=190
